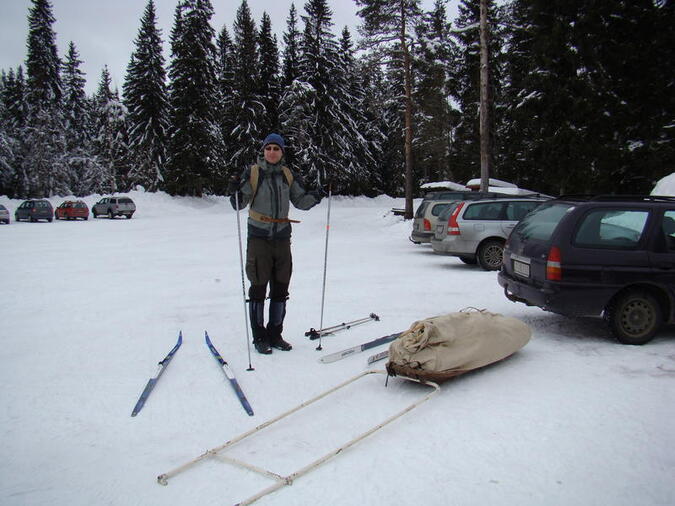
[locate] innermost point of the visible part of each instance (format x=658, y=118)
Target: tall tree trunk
x=485, y=155
x=407, y=82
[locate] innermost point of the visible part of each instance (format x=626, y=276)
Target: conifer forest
x=582, y=100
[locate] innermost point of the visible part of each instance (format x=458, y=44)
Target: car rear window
x=484, y=211
x=420, y=210
x=125, y=201
x=439, y=208
x=516, y=211
x=540, y=223
x=611, y=228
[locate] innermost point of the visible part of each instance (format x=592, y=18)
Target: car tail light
x=427, y=225
x=553, y=265
x=453, y=226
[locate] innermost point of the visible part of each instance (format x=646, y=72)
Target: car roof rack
x=612, y=197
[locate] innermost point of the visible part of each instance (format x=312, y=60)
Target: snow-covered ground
x=89, y=308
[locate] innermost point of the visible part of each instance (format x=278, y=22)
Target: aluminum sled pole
x=281, y=481
x=325, y=263
x=243, y=283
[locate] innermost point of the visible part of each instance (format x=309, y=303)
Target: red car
x=71, y=210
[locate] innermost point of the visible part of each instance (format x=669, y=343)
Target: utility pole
x=484, y=100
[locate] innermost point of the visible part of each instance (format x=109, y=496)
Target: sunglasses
x=272, y=148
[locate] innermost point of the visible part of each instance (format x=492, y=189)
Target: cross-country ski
x=339, y=355
x=230, y=375
x=153, y=381
x=378, y=356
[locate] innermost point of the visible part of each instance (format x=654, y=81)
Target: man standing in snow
x=268, y=187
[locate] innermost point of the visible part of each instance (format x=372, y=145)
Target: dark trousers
x=268, y=262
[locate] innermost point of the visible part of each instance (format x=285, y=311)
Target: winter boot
x=256, y=310
x=275, y=325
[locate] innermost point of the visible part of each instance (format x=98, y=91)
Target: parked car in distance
x=433, y=204
x=4, y=215
x=609, y=256
x=71, y=210
x=114, y=206
x=34, y=210
x=475, y=231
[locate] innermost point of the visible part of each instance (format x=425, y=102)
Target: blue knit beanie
x=274, y=139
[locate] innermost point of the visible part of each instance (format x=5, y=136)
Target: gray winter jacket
x=272, y=199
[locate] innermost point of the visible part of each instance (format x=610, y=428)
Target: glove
x=317, y=194
x=233, y=185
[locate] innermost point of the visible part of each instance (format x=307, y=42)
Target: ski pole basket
x=281, y=481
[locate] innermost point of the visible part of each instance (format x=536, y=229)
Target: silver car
x=4, y=215
x=424, y=222
x=475, y=231
x=114, y=206
x=434, y=203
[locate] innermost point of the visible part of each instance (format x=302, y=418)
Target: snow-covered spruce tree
x=195, y=142
x=313, y=136
x=622, y=49
x=548, y=99
x=41, y=165
x=13, y=117
x=145, y=97
x=79, y=161
x=269, y=89
x=582, y=82
x=387, y=27
x=355, y=153
x=290, y=57
x=465, y=157
x=247, y=109
x=110, y=141
x=225, y=79
x=434, y=115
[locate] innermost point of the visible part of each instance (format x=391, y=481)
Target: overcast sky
x=104, y=30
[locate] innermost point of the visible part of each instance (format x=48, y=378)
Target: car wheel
x=128, y=216
x=634, y=317
x=469, y=260
x=110, y=215
x=490, y=255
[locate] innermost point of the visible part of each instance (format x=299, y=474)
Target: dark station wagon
x=34, y=210
x=610, y=256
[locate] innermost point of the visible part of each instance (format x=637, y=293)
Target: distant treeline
x=582, y=100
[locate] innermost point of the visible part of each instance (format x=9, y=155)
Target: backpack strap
x=289, y=175
x=255, y=177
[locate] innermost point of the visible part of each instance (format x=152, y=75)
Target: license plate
x=439, y=229
x=416, y=227
x=521, y=268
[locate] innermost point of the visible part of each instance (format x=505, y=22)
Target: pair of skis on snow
x=326, y=359
x=165, y=362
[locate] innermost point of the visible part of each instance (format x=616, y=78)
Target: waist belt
x=268, y=219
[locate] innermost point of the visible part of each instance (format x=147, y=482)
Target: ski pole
x=325, y=263
x=243, y=283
